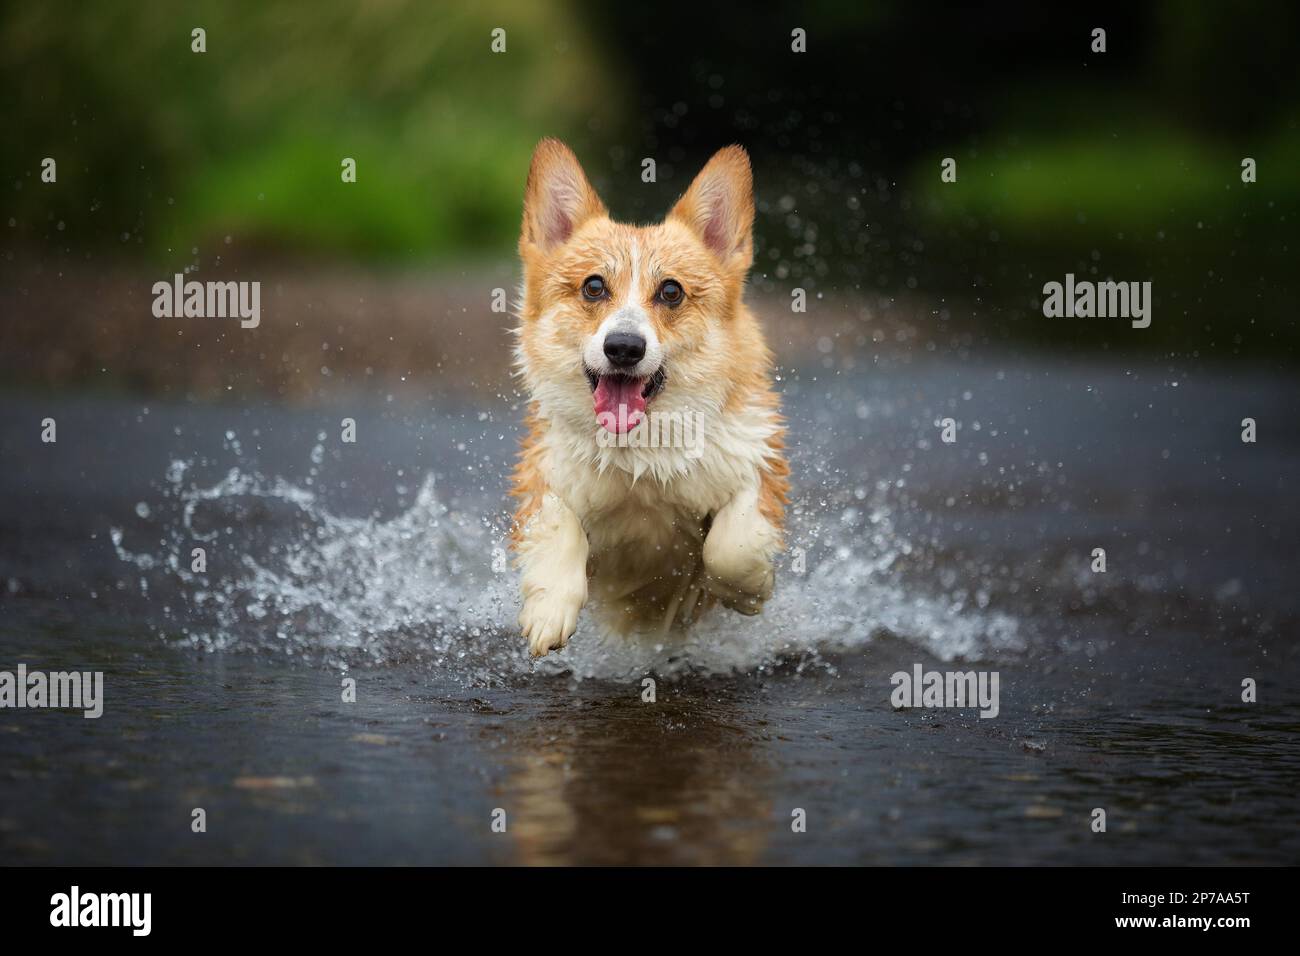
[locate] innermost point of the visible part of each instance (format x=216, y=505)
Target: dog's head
x=617, y=318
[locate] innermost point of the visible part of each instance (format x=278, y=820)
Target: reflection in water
x=622, y=781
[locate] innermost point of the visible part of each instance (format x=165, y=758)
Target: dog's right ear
x=557, y=198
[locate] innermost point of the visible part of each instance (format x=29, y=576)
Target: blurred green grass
x=164, y=148
x=1115, y=180
x=1127, y=203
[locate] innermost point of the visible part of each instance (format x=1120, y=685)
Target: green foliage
x=169, y=149
x=1131, y=204
x=1114, y=181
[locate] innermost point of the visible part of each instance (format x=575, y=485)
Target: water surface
x=380, y=562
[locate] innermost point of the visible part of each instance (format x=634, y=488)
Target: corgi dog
x=652, y=477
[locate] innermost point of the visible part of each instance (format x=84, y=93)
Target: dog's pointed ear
x=719, y=206
x=557, y=197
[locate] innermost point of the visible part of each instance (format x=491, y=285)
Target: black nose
x=624, y=349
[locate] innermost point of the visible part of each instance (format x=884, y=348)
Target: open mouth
x=621, y=399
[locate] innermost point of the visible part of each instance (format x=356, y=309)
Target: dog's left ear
x=719, y=206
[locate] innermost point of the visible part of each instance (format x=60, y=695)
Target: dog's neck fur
x=731, y=444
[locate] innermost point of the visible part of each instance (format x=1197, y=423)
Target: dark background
x=1122, y=165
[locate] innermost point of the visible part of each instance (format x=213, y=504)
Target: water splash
x=430, y=586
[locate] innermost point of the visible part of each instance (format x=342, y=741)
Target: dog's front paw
x=741, y=585
x=548, y=620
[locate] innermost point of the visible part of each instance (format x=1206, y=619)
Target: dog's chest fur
x=645, y=510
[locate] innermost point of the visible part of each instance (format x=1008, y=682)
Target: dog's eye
x=670, y=293
x=593, y=289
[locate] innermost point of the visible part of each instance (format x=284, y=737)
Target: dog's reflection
x=606, y=778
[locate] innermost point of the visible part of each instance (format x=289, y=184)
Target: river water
x=380, y=563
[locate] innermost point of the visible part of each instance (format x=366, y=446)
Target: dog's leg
x=553, y=555
x=691, y=602
x=738, y=554
x=682, y=604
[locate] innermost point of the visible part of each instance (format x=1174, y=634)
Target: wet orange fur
x=714, y=352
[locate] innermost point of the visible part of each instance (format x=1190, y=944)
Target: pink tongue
x=619, y=405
